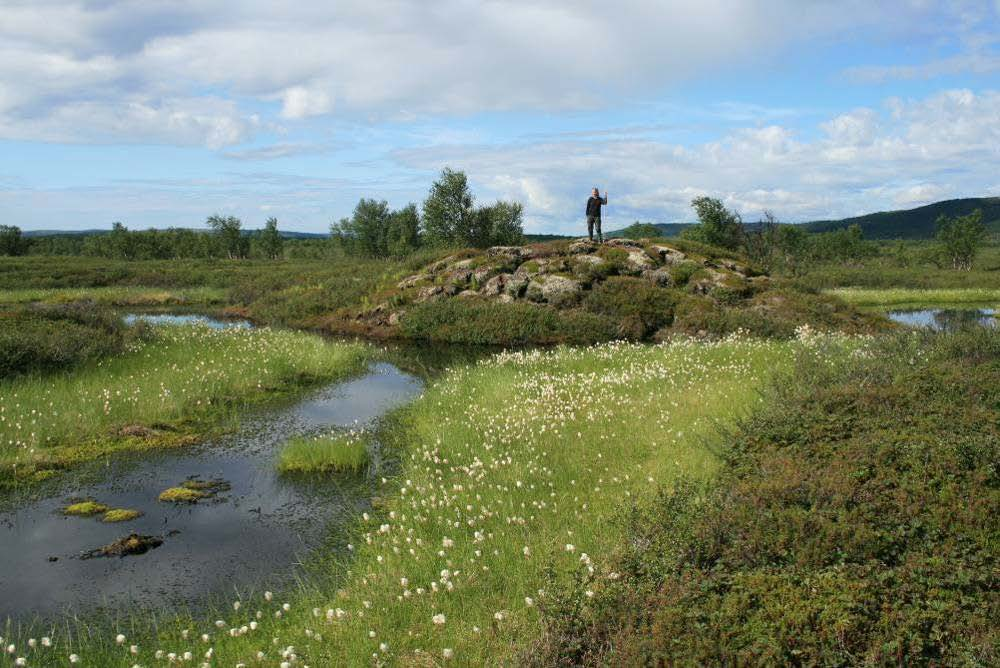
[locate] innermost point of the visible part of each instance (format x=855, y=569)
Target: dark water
x=185, y=319
x=947, y=320
x=252, y=535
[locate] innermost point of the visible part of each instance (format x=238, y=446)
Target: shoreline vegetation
x=513, y=472
x=774, y=447
x=886, y=299
x=167, y=390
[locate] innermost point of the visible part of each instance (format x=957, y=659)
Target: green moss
x=85, y=508
x=182, y=495
x=121, y=515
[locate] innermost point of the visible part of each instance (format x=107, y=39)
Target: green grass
x=894, y=297
x=855, y=522
x=901, y=266
x=513, y=474
x=117, y=296
x=182, y=383
x=329, y=452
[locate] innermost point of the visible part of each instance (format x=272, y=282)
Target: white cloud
x=910, y=153
x=390, y=59
x=301, y=102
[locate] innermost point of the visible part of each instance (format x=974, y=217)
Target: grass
x=329, y=452
x=173, y=388
x=910, y=297
x=893, y=268
x=513, y=472
x=854, y=522
x=117, y=296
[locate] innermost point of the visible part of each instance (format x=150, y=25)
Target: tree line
x=449, y=217
x=792, y=249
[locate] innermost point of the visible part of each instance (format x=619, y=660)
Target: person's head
x=595, y=192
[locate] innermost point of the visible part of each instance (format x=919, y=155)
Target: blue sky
x=161, y=113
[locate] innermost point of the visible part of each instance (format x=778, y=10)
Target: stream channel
x=254, y=535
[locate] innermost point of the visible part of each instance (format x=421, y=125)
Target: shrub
x=494, y=323
x=51, y=338
x=639, y=305
x=855, y=522
x=681, y=274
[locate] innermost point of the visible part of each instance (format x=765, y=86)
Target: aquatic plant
x=121, y=515
x=182, y=495
x=336, y=451
x=85, y=508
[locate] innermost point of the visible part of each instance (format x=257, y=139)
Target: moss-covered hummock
x=86, y=508
x=182, y=495
x=194, y=490
x=121, y=515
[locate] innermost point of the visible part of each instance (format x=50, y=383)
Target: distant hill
x=666, y=229
x=914, y=223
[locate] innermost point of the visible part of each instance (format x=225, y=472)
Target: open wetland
x=249, y=527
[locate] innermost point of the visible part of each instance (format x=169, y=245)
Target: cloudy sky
x=162, y=112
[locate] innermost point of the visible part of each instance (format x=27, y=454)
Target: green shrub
x=51, y=338
x=638, y=304
x=681, y=274
x=855, y=522
x=494, y=323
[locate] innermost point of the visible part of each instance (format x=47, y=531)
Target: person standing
x=594, y=204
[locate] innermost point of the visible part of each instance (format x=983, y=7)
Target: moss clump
x=85, y=508
x=213, y=486
x=182, y=495
x=121, y=515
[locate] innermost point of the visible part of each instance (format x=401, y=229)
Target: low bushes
x=479, y=321
x=855, y=522
x=640, y=307
x=50, y=338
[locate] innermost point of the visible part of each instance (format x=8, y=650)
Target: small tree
x=448, y=209
x=506, y=224
x=230, y=232
x=271, y=242
x=716, y=224
x=961, y=237
x=11, y=241
x=403, y=234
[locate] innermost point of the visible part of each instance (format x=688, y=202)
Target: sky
x=160, y=113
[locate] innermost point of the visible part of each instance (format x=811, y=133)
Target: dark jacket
x=594, y=206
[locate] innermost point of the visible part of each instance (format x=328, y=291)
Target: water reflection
x=185, y=319
x=946, y=320
x=251, y=535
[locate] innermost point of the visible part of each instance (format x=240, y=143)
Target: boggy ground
x=855, y=521
x=168, y=388
x=513, y=472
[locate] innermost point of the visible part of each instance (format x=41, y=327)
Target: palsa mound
x=583, y=292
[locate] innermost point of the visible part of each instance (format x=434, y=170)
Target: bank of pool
x=513, y=473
